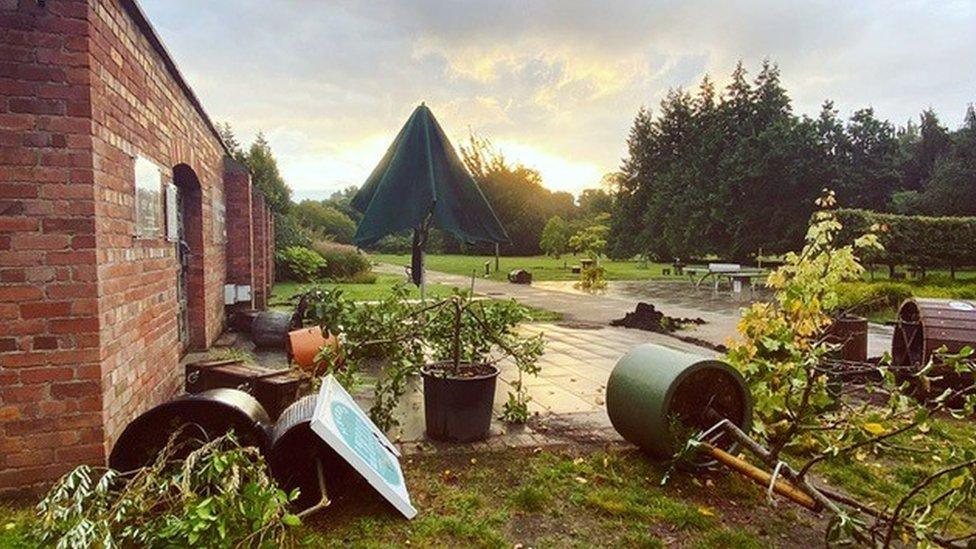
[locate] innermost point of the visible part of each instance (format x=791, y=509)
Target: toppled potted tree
x=466, y=340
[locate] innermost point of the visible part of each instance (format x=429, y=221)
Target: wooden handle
x=762, y=478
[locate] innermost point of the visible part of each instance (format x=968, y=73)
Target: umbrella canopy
x=420, y=181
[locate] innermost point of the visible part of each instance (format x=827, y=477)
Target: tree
x=516, y=194
x=265, y=175
x=555, y=237
x=325, y=221
x=593, y=202
x=591, y=240
x=233, y=145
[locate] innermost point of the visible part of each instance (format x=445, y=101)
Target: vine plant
x=802, y=415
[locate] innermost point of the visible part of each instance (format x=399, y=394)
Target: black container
x=269, y=330
x=203, y=416
x=295, y=448
x=275, y=389
x=458, y=409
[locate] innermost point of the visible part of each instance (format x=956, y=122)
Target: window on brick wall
x=149, y=199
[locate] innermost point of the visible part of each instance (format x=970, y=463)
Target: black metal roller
x=295, y=448
x=205, y=416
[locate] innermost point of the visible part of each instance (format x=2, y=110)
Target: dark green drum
x=652, y=386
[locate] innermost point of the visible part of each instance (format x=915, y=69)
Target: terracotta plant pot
x=305, y=344
x=458, y=408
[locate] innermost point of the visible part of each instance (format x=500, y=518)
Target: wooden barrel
x=851, y=334
x=925, y=325
x=270, y=329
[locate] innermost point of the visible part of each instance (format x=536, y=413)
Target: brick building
x=123, y=224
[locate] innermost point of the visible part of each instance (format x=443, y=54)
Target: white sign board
x=343, y=425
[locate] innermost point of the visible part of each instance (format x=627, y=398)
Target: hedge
x=915, y=240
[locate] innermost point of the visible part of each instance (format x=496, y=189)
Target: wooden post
x=497, y=253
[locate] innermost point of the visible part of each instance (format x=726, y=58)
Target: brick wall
x=50, y=398
x=89, y=312
x=139, y=108
x=259, y=215
x=240, y=236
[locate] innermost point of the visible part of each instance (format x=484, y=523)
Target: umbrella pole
x=423, y=275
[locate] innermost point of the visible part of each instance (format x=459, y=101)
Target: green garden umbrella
x=420, y=182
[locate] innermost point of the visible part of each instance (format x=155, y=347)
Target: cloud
x=557, y=81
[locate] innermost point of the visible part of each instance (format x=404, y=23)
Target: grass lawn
x=588, y=496
x=542, y=267
x=879, y=299
x=283, y=292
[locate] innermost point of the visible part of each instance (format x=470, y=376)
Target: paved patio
x=567, y=396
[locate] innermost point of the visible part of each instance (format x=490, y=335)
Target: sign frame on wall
x=343, y=425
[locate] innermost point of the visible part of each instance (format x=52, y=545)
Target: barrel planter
x=458, y=409
x=203, y=416
x=652, y=384
x=270, y=329
x=924, y=326
x=850, y=333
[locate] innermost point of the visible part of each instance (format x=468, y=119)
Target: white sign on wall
x=343, y=425
x=148, y=199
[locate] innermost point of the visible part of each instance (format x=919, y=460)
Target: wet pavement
x=567, y=397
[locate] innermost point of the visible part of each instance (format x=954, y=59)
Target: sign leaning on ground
x=343, y=425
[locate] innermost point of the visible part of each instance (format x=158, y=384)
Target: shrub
x=862, y=297
x=300, y=264
x=343, y=262
x=914, y=239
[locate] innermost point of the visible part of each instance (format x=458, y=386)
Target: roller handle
x=761, y=477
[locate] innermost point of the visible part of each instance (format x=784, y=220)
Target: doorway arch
x=191, y=310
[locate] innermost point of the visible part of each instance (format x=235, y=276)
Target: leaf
x=957, y=482
x=875, y=429
x=291, y=520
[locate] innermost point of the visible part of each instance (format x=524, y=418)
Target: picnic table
x=736, y=274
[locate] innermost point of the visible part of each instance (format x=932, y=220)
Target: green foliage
x=915, y=240
x=728, y=172
x=299, y=264
x=781, y=342
x=265, y=175
x=343, y=262
x=592, y=240
x=782, y=355
x=325, y=221
x=288, y=232
x=517, y=196
x=221, y=495
x=399, y=336
x=592, y=278
x=555, y=237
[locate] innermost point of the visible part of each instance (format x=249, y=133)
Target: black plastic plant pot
x=458, y=408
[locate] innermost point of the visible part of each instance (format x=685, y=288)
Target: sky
x=554, y=84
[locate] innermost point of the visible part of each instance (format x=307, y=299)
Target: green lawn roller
x=654, y=390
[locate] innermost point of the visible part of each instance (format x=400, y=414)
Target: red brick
x=45, y=309
x=42, y=343
x=8, y=344
x=45, y=375
x=22, y=224
x=75, y=389
x=20, y=293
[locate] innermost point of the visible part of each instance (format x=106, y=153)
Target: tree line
x=732, y=172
